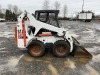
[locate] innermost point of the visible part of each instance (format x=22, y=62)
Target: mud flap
x=80, y=51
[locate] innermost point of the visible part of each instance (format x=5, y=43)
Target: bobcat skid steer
x=42, y=30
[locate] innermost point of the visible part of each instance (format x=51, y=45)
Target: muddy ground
x=14, y=61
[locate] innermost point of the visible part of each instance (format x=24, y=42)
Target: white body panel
x=89, y=15
x=84, y=16
x=50, y=39
x=1, y=19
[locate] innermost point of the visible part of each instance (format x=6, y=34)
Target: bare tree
x=65, y=10
x=15, y=9
x=0, y=6
x=0, y=9
x=9, y=7
x=57, y=5
x=3, y=10
x=19, y=11
x=46, y=5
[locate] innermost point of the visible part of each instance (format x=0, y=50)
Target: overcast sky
x=73, y=5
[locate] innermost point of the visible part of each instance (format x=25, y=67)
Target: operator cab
x=48, y=16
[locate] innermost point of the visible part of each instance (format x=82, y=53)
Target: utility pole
x=83, y=6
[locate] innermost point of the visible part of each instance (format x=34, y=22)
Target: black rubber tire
x=32, y=48
x=57, y=49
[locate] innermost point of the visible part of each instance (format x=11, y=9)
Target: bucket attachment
x=81, y=52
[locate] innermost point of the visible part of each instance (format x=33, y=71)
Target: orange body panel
x=16, y=40
x=45, y=34
x=24, y=32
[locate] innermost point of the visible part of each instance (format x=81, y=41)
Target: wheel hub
x=61, y=49
x=36, y=49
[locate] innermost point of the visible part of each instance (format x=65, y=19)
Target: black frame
x=56, y=12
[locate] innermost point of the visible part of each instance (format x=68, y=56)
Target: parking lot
x=14, y=61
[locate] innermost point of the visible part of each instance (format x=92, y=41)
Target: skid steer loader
x=42, y=30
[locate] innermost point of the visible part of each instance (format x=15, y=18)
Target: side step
x=80, y=51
